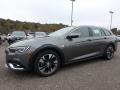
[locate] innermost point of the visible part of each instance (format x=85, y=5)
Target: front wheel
x=47, y=63
x=109, y=52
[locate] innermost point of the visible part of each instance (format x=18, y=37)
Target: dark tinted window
x=83, y=32
x=97, y=32
x=108, y=33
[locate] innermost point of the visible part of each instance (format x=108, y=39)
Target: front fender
x=48, y=47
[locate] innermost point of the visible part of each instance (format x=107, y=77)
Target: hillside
x=10, y=25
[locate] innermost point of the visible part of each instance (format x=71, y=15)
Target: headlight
x=20, y=49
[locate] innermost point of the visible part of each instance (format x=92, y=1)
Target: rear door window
x=97, y=32
x=108, y=33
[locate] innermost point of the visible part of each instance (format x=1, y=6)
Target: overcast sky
x=86, y=12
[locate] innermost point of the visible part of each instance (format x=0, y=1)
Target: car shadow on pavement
x=32, y=74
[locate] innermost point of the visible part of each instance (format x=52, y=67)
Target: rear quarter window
x=107, y=32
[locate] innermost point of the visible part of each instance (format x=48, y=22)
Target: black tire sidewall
x=36, y=69
x=105, y=55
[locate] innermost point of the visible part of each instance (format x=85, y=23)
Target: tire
x=47, y=63
x=109, y=52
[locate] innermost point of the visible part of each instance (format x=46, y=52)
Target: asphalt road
x=96, y=74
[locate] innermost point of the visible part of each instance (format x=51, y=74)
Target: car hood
x=37, y=42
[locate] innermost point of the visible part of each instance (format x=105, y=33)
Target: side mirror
x=72, y=36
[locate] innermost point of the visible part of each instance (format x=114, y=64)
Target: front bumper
x=19, y=62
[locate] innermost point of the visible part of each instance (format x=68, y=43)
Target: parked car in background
x=16, y=36
x=118, y=37
x=30, y=35
x=47, y=54
x=40, y=34
x=3, y=37
x=36, y=35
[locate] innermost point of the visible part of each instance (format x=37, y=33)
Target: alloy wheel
x=110, y=52
x=48, y=63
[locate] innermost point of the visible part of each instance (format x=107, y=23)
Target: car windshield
x=61, y=32
x=18, y=34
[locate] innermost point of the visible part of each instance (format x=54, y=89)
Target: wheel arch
x=48, y=47
x=113, y=45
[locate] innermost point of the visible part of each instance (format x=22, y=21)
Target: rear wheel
x=109, y=52
x=47, y=63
